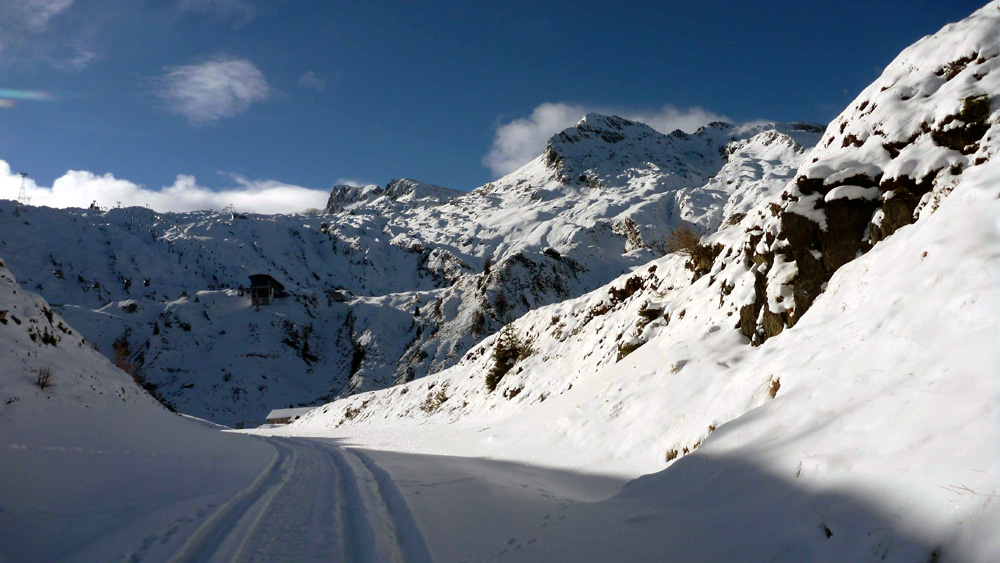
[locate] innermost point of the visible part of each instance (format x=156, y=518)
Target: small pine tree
x=508, y=350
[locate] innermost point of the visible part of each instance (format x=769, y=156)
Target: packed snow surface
x=92, y=467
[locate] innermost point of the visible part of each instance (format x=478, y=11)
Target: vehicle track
x=316, y=501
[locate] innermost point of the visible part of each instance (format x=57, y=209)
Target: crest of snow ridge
x=604, y=150
x=891, y=155
x=404, y=191
x=600, y=148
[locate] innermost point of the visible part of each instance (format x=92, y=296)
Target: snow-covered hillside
x=829, y=361
x=91, y=463
x=392, y=283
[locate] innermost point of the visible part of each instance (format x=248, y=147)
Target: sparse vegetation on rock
x=507, y=351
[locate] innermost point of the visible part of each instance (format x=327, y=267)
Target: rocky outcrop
x=899, y=148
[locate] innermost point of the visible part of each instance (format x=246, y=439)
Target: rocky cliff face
x=395, y=195
x=889, y=158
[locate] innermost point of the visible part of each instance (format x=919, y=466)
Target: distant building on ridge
x=264, y=288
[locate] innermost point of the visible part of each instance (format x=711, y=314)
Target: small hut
x=264, y=288
x=287, y=416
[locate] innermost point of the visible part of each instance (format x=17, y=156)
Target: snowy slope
x=408, y=263
x=91, y=463
x=826, y=388
x=883, y=440
x=889, y=158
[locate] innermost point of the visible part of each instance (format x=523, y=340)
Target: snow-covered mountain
x=829, y=360
x=396, y=194
x=91, y=462
x=391, y=283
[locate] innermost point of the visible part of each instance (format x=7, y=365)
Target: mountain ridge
x=393, y=283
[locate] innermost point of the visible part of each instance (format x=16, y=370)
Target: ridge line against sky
x=165, y=92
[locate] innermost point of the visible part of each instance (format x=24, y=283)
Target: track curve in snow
x=316, y=501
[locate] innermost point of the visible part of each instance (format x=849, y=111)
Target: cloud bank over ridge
x=518, y=141
x=78, y=188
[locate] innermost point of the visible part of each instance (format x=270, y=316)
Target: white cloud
x=205, y=92
x=311, y=81
x=31, y=32
x=31, y=15
x=518, y=141
x=237, y=11
x=351, y=182
x=522, y=139
x=77, y=188
x=79, y=59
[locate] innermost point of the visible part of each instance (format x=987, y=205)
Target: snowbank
x=93, y=467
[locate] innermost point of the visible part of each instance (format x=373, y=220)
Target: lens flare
x=6, y=104
x=25, y=95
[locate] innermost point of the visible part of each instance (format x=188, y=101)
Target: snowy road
x=315, y=502
x=321, y=501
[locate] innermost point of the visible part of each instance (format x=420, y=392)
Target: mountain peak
x=609, y=128
x=598, y=139
x=401, y=191
x=600, y=146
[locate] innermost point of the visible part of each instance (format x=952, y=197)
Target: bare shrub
x=736, y=218
x=434, y=401
x=773, y=386
x=478, y=322
x=626, y=348
x=123, y=359
x=43, y=377
x=684, y=240
x=632, y=285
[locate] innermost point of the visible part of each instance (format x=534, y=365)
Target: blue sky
x=246, y=95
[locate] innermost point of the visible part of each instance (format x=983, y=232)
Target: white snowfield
x=680, y=411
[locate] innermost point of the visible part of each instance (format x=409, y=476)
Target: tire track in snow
x=408, y=533
x=210, y=539
x=317, y=502
x=302, y=521
x=379, y=519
